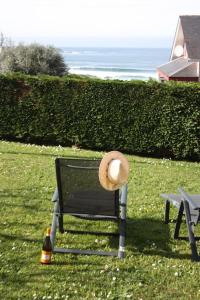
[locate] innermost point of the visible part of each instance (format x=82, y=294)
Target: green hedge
x=148, y=118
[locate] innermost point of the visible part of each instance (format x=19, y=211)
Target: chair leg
x=167, y=209
x=121, y=252
x=60, y=222
x=189, y=223
x=54, y=225
x=179, y=221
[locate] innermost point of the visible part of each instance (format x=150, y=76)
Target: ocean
x=116, y=63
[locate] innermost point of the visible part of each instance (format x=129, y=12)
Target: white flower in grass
x=176, y=274
x=114, y=278
x=140, y=284
x=103, y=242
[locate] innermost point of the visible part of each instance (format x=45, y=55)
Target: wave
x=88, y=52
x=81, y=52
x=114, y=69
x=114, y=74
x=119, y=63
x=71, y=52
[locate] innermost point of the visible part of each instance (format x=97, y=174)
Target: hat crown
x=114, y=170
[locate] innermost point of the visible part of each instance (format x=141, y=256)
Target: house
x=185, y=54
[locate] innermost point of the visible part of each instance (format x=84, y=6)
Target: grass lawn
x=155, y=267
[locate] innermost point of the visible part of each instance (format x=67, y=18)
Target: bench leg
x=179, y=221
x=167, y=209
x=192, y=241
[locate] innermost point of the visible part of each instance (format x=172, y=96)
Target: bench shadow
x=151, y=236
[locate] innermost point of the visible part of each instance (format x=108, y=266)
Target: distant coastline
x=115, y=63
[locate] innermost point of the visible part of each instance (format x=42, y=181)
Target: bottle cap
x=48, y=231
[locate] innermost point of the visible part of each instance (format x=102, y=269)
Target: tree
x=1, y=39
x=32, y=59
x=5, y=41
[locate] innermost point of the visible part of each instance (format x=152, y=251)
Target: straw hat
x=113, y=170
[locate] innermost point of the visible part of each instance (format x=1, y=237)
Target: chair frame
x=57, y=223
x=186, y=206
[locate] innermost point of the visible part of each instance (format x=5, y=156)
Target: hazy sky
x=133, y=23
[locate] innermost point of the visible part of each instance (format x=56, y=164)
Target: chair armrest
x=55, y=196
x=187, y=198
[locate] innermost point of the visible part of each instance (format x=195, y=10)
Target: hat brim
x=103, y=170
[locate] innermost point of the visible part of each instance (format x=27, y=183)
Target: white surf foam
x=114, y=75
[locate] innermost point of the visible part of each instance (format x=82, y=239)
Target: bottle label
x=45, y=257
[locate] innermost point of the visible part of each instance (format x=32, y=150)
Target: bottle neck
x=48, y=232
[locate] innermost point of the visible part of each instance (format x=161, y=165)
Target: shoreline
x=111, y=76
x=115, y=63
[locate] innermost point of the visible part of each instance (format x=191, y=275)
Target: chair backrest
x=80, y=191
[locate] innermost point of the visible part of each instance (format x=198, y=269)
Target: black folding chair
x=188, y=205
x=80, y=194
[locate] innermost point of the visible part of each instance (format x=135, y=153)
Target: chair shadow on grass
x=151, y=236
x=146, y=236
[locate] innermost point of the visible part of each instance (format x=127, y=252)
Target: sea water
x=116, y=63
